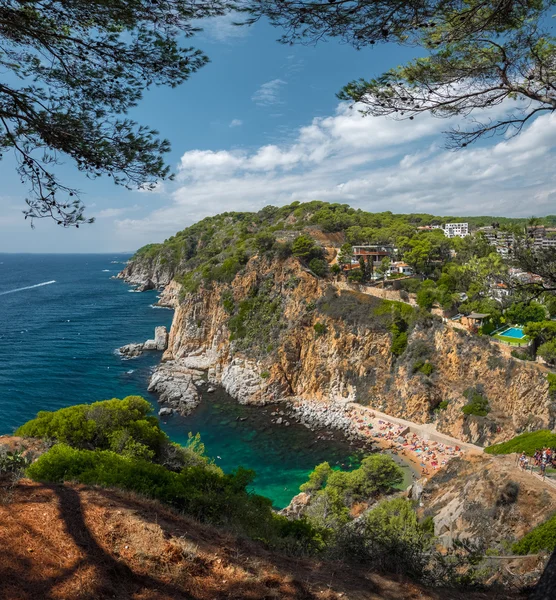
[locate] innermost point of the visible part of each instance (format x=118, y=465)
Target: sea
x=62, y=318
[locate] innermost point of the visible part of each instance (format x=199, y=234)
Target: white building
x=400, y=268
x=452, y=230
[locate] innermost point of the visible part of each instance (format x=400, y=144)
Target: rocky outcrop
x=160, y=343
x=147, y=274
x=486, y=500
x=279, y=353
x=176, y=387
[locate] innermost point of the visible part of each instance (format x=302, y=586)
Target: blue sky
x=261, y=125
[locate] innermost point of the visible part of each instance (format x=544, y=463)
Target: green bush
x=423, y=367
x=334, y=491
x=120, y=425
x=443, y=405
x=320, y=328
x=305, y=247
x=319, y=267
x=205, y=493
x=399, y=341
x=528, y=442
x=476, y=405
x=542, y=537
x=13, y=462
x=551, y=378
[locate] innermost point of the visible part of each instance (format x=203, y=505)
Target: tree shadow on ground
x=71, y=563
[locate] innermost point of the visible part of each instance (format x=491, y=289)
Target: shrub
x=522, y=355
x=443, y=405
x=426, y=297
x=548, y=351
x=542, y=537
x=399, y=341
x=319, y=267
x=304, y=247
x=335, y=491
x=355, y=275
x=264, y=241
x=205, y=493
x=528, y=442
x=477, y=404
x=13, y=462
x=320, y=328
x=551, y=378
x=228, y=301
x=336, y=269
x=120, y=425
x=424, y=367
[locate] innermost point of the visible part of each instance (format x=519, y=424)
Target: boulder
x=131, y=350
x=165, y=411
x=161, y=338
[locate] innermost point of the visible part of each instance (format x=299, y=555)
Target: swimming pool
x=513, y=332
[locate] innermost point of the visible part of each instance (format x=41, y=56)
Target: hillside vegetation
x=528, y=442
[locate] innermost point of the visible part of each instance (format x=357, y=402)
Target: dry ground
x=65, y=542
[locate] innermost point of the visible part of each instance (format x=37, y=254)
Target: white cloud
x=223, y=28
x=236, y=123
x=269, y=93
x=110, y=213
x=372, y=163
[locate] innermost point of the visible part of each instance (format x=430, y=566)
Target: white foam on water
x=28, y=287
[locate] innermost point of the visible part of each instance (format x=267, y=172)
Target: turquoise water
x=514, y=332
x=62, y=317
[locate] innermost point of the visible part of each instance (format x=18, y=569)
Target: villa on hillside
x=372, y=253
x=400, y=268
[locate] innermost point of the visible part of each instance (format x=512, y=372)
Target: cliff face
x=147, y=274
x=277, y=331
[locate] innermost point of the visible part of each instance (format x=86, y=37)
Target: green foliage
x=476, y=405
x=551, y=377
x=542, y=537
x=205, y=493
x=13, y=462
x=345, y=255
x=120, y=425
x=256, y=321
x=521, y=313
x=423, y=367
x=317, y=478
x=320, y=328
x=74, y=70
x=264, y=241
x=356, y=275
x=228, y=301
x=399, y=341
x=522, y=355
x=548, y=351
x=394, y=537
x=319, y=267
x=305, y=247
x=443, y=405
x=335, y=269
x=334, y=492
x=528, y=442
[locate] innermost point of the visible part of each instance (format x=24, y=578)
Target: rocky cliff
x=277, y=331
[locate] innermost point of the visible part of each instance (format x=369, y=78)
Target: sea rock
x=165, y=410
x=161, y=338
x=131, y=350
x=159, y=343
x=175, y=386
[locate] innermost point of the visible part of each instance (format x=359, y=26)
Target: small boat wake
x=28, y=287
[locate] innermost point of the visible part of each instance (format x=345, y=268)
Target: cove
x=282, y=457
